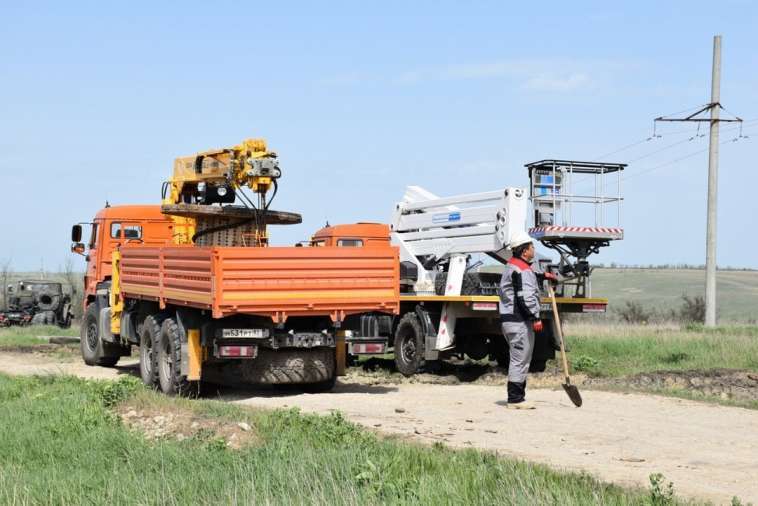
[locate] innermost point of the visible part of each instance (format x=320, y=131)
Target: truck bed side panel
x=274, y=281
x=307, y=280
x=174, y=275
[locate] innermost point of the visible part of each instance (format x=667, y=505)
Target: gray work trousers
x=520, y=337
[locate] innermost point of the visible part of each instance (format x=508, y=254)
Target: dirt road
x=708, y=451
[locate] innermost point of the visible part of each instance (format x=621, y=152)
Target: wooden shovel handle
x=559, y=329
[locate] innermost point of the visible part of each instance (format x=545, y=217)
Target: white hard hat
x=519, y=238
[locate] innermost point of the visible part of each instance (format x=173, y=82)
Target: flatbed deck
x=489, y=302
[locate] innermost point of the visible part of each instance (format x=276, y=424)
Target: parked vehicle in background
x=37, y=302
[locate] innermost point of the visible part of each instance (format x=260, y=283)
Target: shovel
x=570, y=389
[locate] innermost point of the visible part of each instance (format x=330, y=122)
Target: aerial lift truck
x=448, y=299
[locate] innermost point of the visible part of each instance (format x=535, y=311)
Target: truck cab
x=352, y=235
x=112, y=227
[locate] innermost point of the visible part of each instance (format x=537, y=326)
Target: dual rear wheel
x=161, y=357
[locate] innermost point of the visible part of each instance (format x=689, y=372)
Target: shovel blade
x=573, y=394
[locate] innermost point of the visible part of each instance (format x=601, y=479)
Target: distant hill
x=737, y=291
x=663, y=288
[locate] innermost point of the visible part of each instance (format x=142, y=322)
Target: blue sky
x=361, y=99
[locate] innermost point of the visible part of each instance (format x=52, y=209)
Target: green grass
x=620, y=350
x=62, y=444
x=11, y=337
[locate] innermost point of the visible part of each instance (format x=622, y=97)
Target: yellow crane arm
x=213, y=176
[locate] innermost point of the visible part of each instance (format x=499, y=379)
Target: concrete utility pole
x=713, y=184
x=713, y=172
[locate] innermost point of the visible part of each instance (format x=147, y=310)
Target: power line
x=696, y=136
x=672, y=162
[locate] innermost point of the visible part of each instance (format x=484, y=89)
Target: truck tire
x=40, y=318
x=47, y=301
x=537, y=365
x=65, y=321
x=409, y=345
x=474, y=283
x=321, y=386
x=148, y=346
x=285, y=366
x=169, y=363
x=94, y=350
x=499, y=351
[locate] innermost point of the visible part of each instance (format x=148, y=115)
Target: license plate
x=244, y=333
x=484, y=306
x=593, y=308
x=368, y=348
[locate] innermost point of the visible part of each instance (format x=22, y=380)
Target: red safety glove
x=551, y=277
x=537, y=326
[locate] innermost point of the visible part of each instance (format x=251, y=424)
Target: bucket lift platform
x=577, y=211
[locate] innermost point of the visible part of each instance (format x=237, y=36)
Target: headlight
x=221, y=191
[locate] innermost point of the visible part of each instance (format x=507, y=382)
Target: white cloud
x=571, y=82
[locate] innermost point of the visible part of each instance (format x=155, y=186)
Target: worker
x=520, y=315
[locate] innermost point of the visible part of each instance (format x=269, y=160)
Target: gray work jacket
x=519, y=292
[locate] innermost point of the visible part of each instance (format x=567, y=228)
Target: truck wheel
x=148, y=347
x=321, y=386
x=94, y=351
x=169, y=362
x=47, y=301
x=65, y=321
x=538, y=366
x=499, y=351
x=409, y=345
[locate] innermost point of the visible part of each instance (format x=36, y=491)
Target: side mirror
x=77, y=248
x=76, y=233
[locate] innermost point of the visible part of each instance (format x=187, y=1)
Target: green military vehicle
x=31, y=302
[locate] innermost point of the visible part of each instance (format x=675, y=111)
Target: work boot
x=516, y=391
x=521, y=405
x=516, y=394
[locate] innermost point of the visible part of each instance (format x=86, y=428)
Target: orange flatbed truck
x=260, y=315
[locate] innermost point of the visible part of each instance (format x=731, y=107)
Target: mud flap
x=194, y=355
x=191, y=350
x=430, y=334
x=340, y=354
x=104, y=322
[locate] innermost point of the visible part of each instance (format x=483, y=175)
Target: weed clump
x=111, y=393
x=661, y=493
x=585, y=363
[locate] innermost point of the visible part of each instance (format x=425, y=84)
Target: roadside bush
x=692, y=310
x=635, y=312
